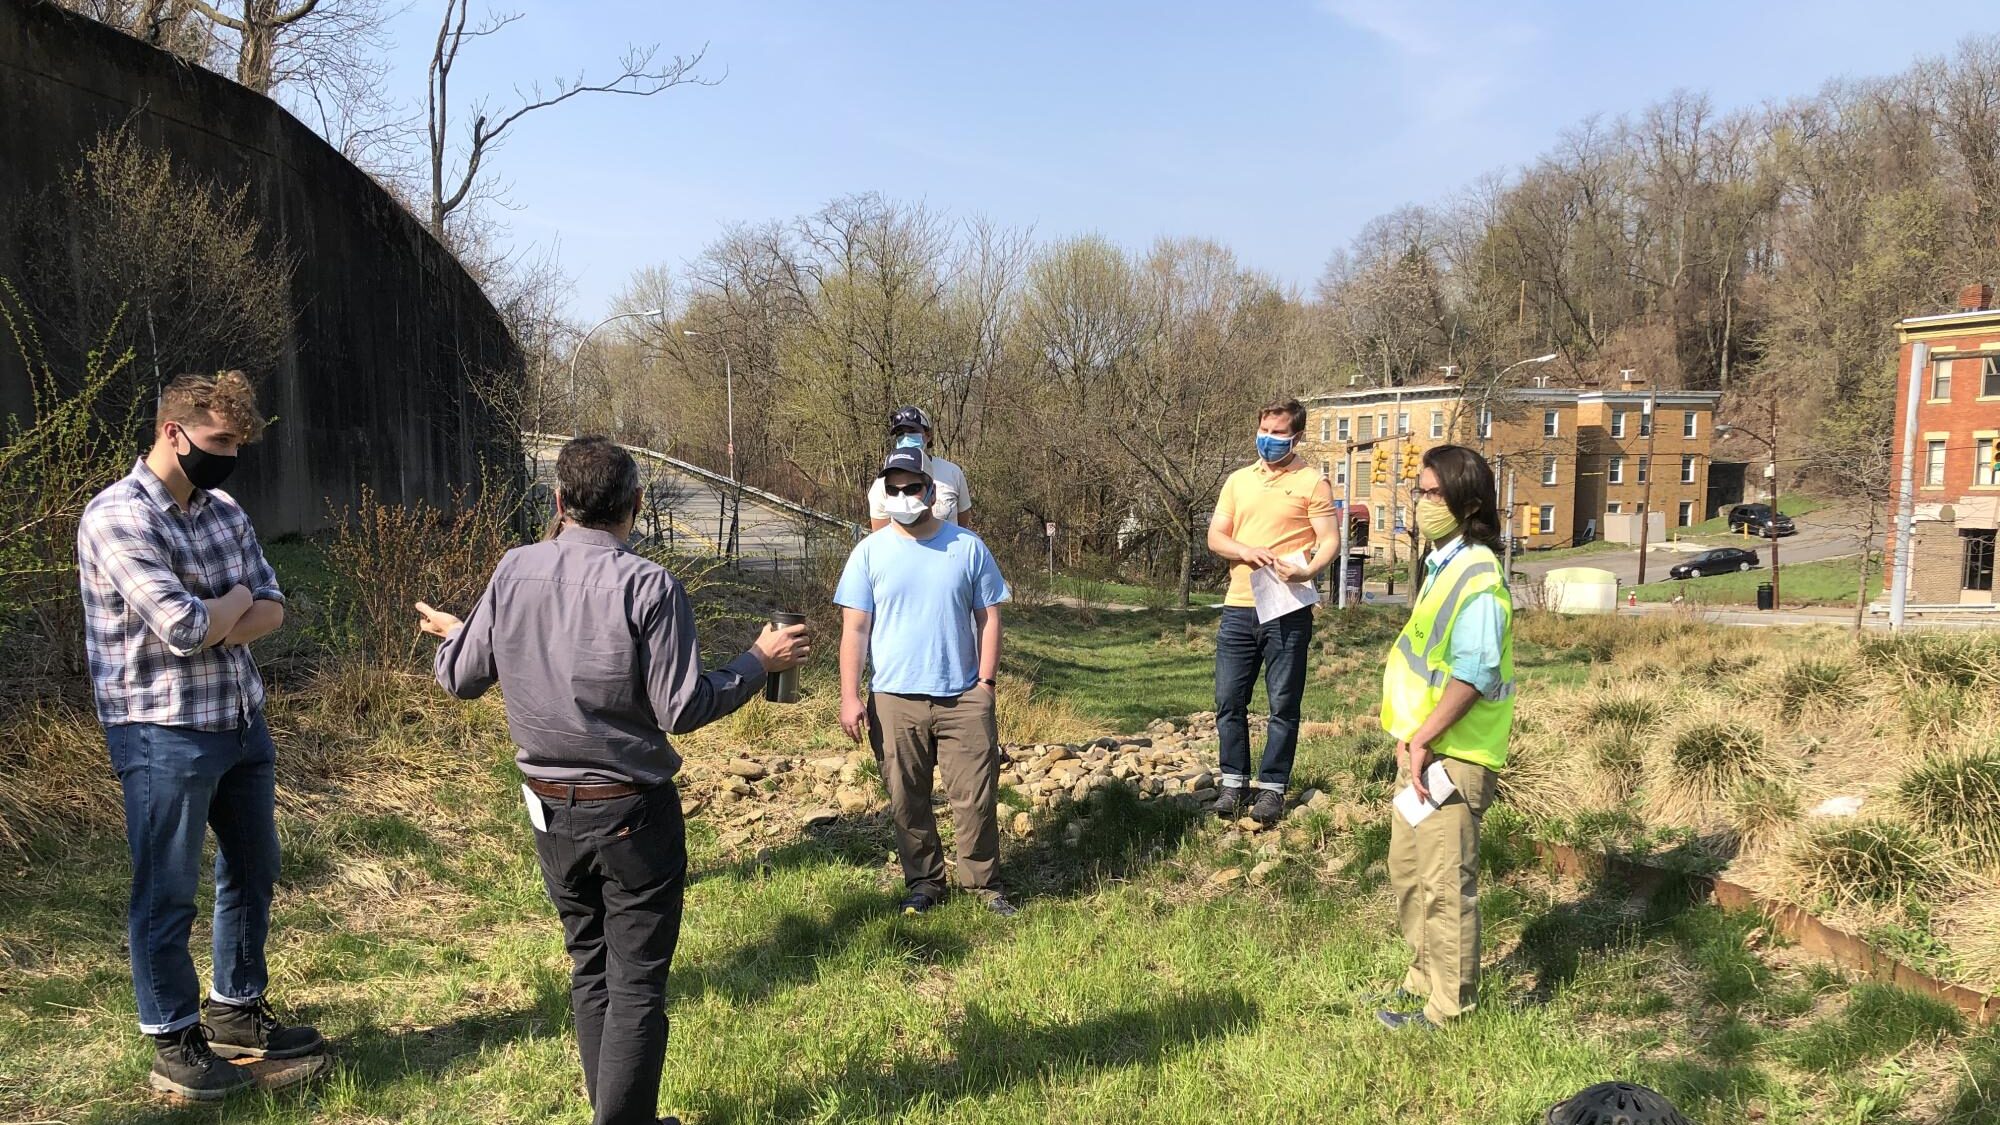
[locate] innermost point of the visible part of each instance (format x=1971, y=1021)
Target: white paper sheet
x=1413, y=808
x=1277, y=597
x=537, y=815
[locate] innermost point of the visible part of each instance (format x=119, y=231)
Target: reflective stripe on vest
x=1416, y=676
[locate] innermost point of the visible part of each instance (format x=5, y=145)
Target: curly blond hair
x=225, y=398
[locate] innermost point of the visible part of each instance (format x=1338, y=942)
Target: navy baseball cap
x=909, y=418
x=909, y=459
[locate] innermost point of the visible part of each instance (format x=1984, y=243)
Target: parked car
x=1722, y=560
x=1759, y=519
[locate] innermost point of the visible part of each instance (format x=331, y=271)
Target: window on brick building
x=1437, y=423
x=1687, y=469
x=1325, y=426
x=1486, y=423
x=1645, y=423
x=1551, y=423
x=1686, y=518
x=1934, y=463
x=1941, y=380
x=1618, y=423
x=1367, y=429
x=1546, y=520
x=1614, y=507
x=1549, y=470
x=1341, y=428
x=1989, y=377
x=1978, y=559
x=1982, y=462
x=1340, y=472
x=1615, y=470
x=1645, y=468
x=1689, y=424
x=1403, y=422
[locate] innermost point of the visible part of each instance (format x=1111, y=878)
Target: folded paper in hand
x=1277, y=597
x=1414, y=808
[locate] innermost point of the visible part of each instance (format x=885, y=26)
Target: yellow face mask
x=1435, y=520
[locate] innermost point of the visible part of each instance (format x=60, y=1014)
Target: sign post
x=1049, y=533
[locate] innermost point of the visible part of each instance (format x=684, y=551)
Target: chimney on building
x=1631, y=377
x=1977, y=297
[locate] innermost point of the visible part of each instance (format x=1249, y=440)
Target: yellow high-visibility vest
x=1419, y=666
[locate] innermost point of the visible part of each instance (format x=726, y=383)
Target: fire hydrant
x=1632, y=599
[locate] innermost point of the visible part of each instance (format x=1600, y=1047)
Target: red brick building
x=1953, y=463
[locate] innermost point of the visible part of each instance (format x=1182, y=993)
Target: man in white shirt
x=910, y=426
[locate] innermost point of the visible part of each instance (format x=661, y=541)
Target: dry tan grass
x=1740, y=734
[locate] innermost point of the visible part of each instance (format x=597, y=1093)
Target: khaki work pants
x=916, y=735
x=1434, y=870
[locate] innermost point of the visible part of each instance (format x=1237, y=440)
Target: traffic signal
x=1357, y=531
x=1412, y=464
x=1381, y=471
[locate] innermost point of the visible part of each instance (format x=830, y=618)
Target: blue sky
x=1278, y=127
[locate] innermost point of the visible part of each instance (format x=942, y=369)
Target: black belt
x=588, y=791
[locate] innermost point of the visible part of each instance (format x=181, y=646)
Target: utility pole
x=1507, y=544
x=1652, y=424
x=1777, y=600
x=1906, y=490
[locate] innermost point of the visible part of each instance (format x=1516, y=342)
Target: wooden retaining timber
x=1847, y=950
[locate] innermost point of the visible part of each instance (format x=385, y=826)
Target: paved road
x=691, y=513
x=1822, y=535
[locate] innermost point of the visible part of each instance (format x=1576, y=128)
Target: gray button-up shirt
x=594, y=647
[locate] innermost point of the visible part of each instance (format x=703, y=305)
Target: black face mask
x=203, y=469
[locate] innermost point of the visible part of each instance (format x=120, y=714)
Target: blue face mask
x=911, y=440
x=1274, y=449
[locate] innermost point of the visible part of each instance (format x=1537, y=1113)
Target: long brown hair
x=1469, y=491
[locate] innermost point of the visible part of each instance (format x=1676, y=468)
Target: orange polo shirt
x=1273, y=507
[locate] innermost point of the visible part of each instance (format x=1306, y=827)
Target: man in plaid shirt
x=175, y=588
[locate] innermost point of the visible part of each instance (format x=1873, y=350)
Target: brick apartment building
x=1625, y=449
x=1573, y=454
x=1957, y=491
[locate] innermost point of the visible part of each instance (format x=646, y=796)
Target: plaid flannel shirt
x=146, y=566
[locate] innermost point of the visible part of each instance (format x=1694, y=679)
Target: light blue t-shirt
x=1476, y=638
x=923, y=594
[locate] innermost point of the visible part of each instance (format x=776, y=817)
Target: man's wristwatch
x=994, y=684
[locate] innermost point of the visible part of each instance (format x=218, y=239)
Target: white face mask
x=905, y=509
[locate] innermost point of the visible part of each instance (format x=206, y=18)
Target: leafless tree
x=459, y=175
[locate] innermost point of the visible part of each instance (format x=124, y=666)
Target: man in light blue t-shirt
x=921, y=605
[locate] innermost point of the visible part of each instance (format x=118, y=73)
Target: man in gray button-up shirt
x=594, y=647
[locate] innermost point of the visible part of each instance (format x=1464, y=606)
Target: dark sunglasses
x=916, y=489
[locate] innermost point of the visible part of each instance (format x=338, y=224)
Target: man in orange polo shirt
x=1269, y=512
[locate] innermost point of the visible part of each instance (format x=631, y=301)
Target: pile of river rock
x=752, y=798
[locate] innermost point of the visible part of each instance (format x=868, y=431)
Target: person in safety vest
x=1448, y=699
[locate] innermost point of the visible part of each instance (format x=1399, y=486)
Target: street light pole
x=586, y=340
x=729, y=415
x=1652, y=424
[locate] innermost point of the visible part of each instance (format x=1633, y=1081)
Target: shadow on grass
x=1608, y=919
x=991, y=1053
x=1122, y=836
x=371, y=1058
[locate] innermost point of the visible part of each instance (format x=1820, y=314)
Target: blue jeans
x=1242, y=648
x=179, y=783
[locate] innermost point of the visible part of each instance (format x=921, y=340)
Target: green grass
x=1826, y=582
x=1100, y=593
x=1132, y=988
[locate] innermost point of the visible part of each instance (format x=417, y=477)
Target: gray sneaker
x=1269, y=807
x=1230, y=805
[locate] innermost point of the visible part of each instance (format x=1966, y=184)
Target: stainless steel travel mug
x=783, y=687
